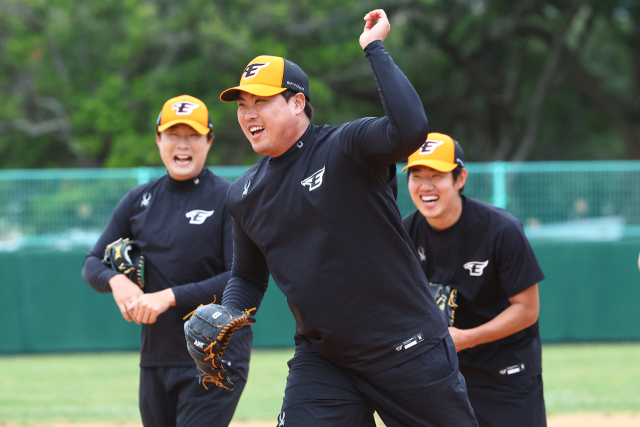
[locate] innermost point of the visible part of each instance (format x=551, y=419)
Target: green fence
x=583, y=219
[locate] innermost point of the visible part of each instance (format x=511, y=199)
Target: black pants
x=506, y=405
x=425, y=391
x=172, y=397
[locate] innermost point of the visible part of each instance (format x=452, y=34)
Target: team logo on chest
x=476, y=268
x=198, y=216
x=315, y=180
x=281, y=419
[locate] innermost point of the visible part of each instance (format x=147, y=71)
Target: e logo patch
x=184, y=108
x=197, y=216
x=314, y=181
x=430, y=146
x=476, y=268
x=252, y=70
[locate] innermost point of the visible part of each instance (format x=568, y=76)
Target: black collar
x=174, y=184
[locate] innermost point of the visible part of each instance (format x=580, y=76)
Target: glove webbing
x=204, y=379
x=225, y=335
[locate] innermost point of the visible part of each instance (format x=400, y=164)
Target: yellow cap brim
x=439, y=165
x=202, y=130
x=232, y=94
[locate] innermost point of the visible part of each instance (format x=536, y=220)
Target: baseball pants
x=506, y=405
x=173, y=397
x=425, y=391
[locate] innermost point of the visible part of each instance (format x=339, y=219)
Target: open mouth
x=256, y=130
x=182, y=159
x=430, y=200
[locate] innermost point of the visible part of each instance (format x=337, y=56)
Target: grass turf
x=103, y=387
x=591, y=377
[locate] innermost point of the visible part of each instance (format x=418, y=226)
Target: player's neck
x=449, y=216
x=297, y=131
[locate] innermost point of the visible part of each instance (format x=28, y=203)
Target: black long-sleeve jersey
x=184, y=231
x=323, y=221
x=487, y=258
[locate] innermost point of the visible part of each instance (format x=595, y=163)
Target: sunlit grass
x=104, y=386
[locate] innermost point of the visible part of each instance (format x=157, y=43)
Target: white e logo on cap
x=430, y=146
x=184, y=108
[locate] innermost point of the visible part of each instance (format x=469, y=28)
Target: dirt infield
x=564, y=420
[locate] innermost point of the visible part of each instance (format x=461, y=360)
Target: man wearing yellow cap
x=318, y=214
x=485, y=275
x=182, y=225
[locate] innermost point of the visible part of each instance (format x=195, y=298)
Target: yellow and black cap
x=185, y=109
x=267, y=76
x=439, y=152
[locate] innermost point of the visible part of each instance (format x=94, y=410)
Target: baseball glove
x=208, y=332
x=446, y=300
x=125, y=256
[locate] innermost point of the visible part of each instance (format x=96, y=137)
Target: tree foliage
x=82, y=82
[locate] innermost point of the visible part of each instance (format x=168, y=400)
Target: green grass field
x=103, y=387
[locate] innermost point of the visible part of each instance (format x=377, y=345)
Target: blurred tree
x=527, y=79
x=82, y=82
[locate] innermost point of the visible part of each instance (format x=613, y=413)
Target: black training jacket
x=323, y=221
x=184, y=231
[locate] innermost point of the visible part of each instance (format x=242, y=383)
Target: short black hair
x=454, y=174
x=308, y=109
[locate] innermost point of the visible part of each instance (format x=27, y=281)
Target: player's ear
x=158, y=139
x=209, y=141
x=462, y=179
x=299, y=103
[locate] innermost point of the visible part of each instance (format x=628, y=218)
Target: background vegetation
x=82, y=82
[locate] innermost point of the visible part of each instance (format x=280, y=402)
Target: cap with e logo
x=267, y=76
x=185, y=109
x=439, y=152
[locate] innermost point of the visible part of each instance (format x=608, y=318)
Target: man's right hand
x=376, y=27
x=125, y=293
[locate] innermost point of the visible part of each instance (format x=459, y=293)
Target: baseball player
x=183, y=228
x=481, y=253
x=317, y=213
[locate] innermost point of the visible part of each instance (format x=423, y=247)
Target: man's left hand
x=376, y=27
x=461, y=338
x=148, y=307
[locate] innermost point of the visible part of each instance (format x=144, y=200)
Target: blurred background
x=544, y=96
x=82, y=82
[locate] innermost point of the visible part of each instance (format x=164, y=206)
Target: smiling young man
x=481, y=252
x=182, y=225
x=318, y=214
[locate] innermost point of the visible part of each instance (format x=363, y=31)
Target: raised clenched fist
x=376, y=27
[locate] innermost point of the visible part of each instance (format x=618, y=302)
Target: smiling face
x=271, y=123
x=183, y=151
x=436, y=195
